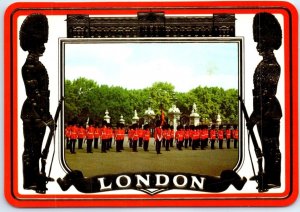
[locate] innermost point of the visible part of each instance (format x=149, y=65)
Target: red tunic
x=119, y=134
x=90, y=132
x=135, y=135
x=228, y=134
x=179, y=135
x=146, y=136
x=73, y=132
x=158, y=134
x=221, y=134
x=235, y=134
x=81, y=132
x=212, y=134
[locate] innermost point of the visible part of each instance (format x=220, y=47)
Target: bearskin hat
x=266, y=28
x=34, y=31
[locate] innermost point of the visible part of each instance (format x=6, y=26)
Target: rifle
x=262, y=187
x=41, y=188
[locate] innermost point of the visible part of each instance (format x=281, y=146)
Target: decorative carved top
x=151, y=24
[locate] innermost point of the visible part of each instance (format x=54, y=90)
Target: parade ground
x=208, y=161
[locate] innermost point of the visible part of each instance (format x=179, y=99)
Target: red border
x=51, y=8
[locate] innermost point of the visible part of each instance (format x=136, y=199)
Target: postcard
x=143, y=104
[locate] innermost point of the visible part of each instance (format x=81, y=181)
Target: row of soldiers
x=138, y=136
x=195, y=136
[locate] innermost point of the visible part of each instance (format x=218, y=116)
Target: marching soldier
x=97, y=133
x=110, y=136
x=104, y=137
x=135, y=137
x=195, y=137
x=140, y=133
x=179, y=136
x=158, y=136
x=168, y=137
x=212, y=135
x=119, y=136
x=228, y=136
x=130, y=135
x=73, y=137
x=186, y=136
x=67, y=133
x=235, y=133
x=220, y=136
x=89, y=137
x=146, y=138
x=81, y=135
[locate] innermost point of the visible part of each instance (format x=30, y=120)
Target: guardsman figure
x=186, y=136
x=220, y=136
x=90, y=137
x=179, y=136
x=119, y=136
x=135, y=137
x=168, y=136
x=228, y=136
x=73, y=137
x=235, y=136
x=130, y=135
x=195, y=137
x=141, y=133
x=81, y=135
x=67, y=133
x=158, y=136
x=203, y=137
x=97, y=133
x=104, y=137
x=110, y=136
x=266, y=107
x=212, y=136
x=35, y=110
x=146, y=137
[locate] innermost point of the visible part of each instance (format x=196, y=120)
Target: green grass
x=208, y=162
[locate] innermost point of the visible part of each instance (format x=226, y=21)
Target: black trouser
x=212, y=143
x=179, y=145
x=157, y=146
x=268, y=132
x=145, y=145
x=190, y=141
x=228, y=143
x=203, y=143
x=80, y=141
x=89, y=145
x=235, y=142
x=104, y=145
x=68, y=145
x=171, y=142
x=96, y=143
x=72, y=141
x=140, y=142
x=168, y=141
x=134, y=145
x=186, y=143
x=195, y=144
x=220, y=143
x=119, y=145
x=33, y=140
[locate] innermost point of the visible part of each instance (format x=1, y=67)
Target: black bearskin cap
x=266, y=28
x=34, y=31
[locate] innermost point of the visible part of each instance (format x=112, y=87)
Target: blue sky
x=138, y=65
